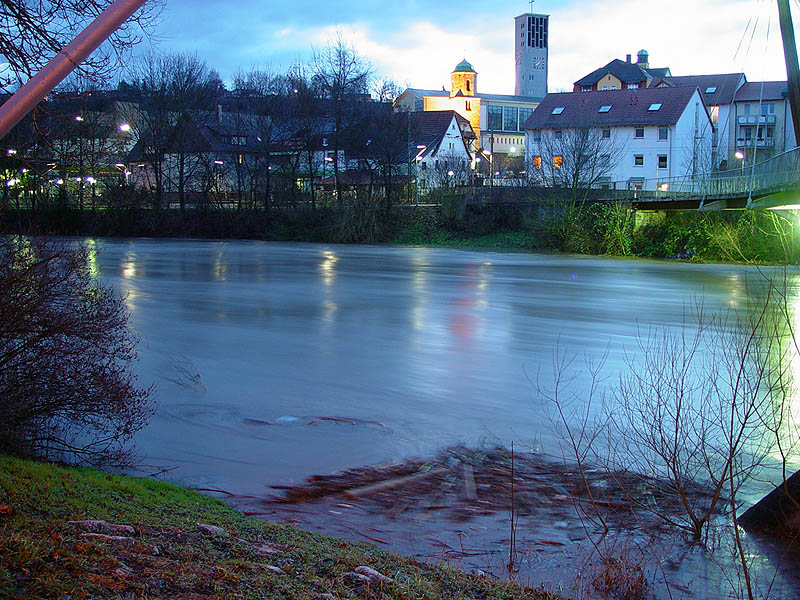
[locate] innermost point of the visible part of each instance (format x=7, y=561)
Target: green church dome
x=463, y=67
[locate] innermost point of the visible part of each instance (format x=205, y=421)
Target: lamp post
x=417, y=158
x=740, y=155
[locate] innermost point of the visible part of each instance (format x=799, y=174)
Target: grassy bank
x=185, y=545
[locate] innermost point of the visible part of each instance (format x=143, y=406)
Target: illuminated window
x=537, y=162
x=558, y=161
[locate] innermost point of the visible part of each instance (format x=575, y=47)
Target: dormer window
x=655, y=106
x=238, y=140
x=558, y=110
x=605, y=108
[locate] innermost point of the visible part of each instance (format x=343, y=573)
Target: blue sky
x=418, y=43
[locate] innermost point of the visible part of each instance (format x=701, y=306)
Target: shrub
x=66, y=388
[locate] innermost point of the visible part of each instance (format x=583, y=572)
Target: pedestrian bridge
x=774, y=183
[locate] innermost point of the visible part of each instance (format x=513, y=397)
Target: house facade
x=718, y=93
x=761, y=122
x=625, y=139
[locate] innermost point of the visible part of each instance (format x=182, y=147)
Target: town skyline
x=417, y=46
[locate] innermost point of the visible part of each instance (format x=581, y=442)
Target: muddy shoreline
x=458, y=507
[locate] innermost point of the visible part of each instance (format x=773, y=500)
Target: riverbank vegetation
x=81, y=533
x=750, y=237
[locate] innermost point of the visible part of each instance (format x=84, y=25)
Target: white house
x=630, y=139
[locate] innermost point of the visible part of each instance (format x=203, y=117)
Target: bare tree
x=267, y=96
x=342, y=76
x=31, y=33
x=66, y=389
x=171, y=89
x=575, y=160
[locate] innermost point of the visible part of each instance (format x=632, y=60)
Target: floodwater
x=259, y=350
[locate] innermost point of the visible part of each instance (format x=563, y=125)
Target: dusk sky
x=418, y=43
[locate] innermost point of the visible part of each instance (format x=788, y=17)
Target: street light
x=124, y=127
x=422, y=148
x=740, y=155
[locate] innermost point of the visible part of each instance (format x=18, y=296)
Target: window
x=537, y=162
x=638, y=160
x=663, y=133
x=586, y=88
x=238, y=141
x=537, y=136
x=632, y=86
x=605, y=160
x=606, y=134
x=768, y=109
x=746, y=109
x=468, y=105
x=605, y=87
x=711, y=90
x=494, y=115
x=524, y=113
x=655, y=106
x=613, y=87
x=558, y=161
x=605, y=108
x=558, y=110
x=639, y=133
x=558, y=134
x=662, y=161
x=510, y=118
x=468, y=87
x=423, y=166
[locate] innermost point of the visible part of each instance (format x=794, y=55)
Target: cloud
x=418, y=44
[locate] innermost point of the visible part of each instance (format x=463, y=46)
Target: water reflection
x=327, y=267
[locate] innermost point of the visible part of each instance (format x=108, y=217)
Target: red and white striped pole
x=63, y=63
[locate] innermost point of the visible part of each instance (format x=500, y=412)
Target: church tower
x=531, y=43
x=463, y=79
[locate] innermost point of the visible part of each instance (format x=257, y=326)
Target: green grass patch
x=42, y=555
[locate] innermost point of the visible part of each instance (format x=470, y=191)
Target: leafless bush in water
x=66, y=389
x=701, y=409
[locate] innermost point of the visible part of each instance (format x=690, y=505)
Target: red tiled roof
x=629, y=108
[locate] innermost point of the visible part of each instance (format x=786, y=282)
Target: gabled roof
x=429, y=128
x=629, y=108
x=762, y=90
x=624, y=71
x=659, y=72
x=724, y=86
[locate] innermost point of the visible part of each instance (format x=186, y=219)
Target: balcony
x=752, y=119
x=748, y=143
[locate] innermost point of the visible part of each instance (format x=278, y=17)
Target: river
x=249, y=344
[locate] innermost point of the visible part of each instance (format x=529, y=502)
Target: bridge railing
x=770, y=175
